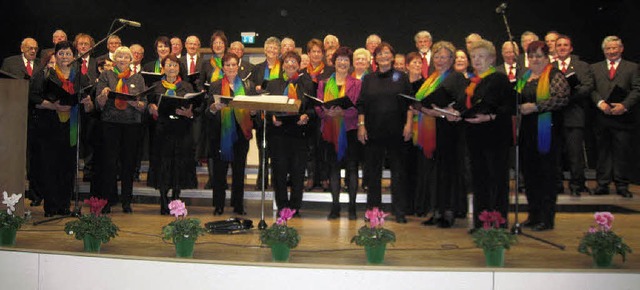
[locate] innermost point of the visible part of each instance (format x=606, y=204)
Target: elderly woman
x=175, y=167
x=339, y=130
x=361, y=61
x=438, y=135
x=288, y=134
x=231, y=132
x=53, y=124
x=383, y=124
x=121, y=126
x=491, y=102
x=544, y=91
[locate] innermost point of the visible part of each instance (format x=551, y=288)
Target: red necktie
x=374, y=67
x=84, y=69
x=425, y=66
x=135, y=69
x=511, y=75
x=29, y=68
x=612, y=70
x=564, y=67
x=192, y=69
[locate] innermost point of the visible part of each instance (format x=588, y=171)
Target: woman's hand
x=153, y=110
x=363, y=137
x=216, y=107
x=335, y=111
x=88, y=104
x=276, y=122
x=185, y=112
x=138, y=105
x=102, y=97
x=61, y=108
x=528, y=108
x=304, y=119
x=407, y=131
x=480, y=118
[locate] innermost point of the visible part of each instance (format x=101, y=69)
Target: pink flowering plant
x=601, y=238
x=95, y=224
x=493, y=235
x=373, y=233
x=181, y=228
x=279, y=232
x=8, y=218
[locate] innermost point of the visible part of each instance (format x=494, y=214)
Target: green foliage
x=376, y=236
x=99, y=226
x=603, y=241
x=182, y=228
x=280, y=234
x=11, y=221
x=493, y=238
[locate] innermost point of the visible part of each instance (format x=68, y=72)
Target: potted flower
x=280, y=237
x=9, y=222
x=374, y=237
x=493, y=238
x=601, y=243
x=94, y=228
x=182, y=232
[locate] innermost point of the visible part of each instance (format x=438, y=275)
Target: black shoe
x=575, y=192
x=239, y=211
x=106, y=209
x=352, y=214
x=37, y=201
x=127, y=209
x=528, y=223
x=421, y=214
x=601, y=190
x=165, y=211
x=471, y=231
x=625, y=193
x=208, y=185
x=401, y=219
x=48, y=214
x=446, y=223
x=334, y=214
x=431, y=221
x=218, y=211
x=541, y=227
x=297, y=214
x=64, y=211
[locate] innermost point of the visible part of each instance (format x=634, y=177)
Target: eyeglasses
x=61, y=54
x=31, y=48
x=291, y=61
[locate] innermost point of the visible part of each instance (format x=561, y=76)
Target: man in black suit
x=176, y=46
x=23, y=66
x=614, y=97
x=510, y=67
x=113, y=42
x=58, y=35
x=245, y=67
x=526, y=38
x=573, y=114
x=423, y=42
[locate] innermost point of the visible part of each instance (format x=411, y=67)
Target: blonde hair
x=361, y=51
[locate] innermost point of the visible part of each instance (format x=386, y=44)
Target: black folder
x=128, y=97
x=617, y=95
x=222, y=99
x=572, y=79
x=193, y=78
x=437, y=97
x=57, y=93
x=167, y=105
x=342, y=102
x=150, y=77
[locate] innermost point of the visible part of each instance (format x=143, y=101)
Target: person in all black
x=544, y=91
x=230, y=134
x=383, y=124
x=54, y=93
x=175, y=166
x=489, y=107
x=287, y=134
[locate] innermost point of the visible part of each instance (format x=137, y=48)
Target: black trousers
x=614, y=156
x=121, y=144
x=573, y=138
x=288, y=159
x=375, y=152
x=56, y=161
x=350, y=162
x=421, y=181
x=541, y=174
x=238, y=165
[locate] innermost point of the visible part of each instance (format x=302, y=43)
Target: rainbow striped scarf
x=230, y=117
x=216, y=64
x=122, y=87
x=290, y=90
x=424, y=126
x=334, y=129
x=471, y=89
x=157, y=68
x=272, y=74
x=63, y=117
x=315, y=72
x=542, y=94
x=171, y=87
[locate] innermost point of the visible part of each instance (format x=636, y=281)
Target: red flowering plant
x=600, y=238
x=279, y=232
x=181, y=228
x=492, y=235
x=374, y=234
x=95, y=224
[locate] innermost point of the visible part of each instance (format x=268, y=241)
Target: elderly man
x=245, y=67
x=526, y=38
x=371, y=43
x=423, y=42
x=176, y=46
x=138, y=54
x=510, y=67
x=113, y=42
x=550, y=39
x=58, y=35
x=614, y=98
x=470, y=39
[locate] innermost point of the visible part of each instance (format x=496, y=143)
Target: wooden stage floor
x=327, y=243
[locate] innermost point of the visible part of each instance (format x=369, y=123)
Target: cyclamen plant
x=279, y=232
x=492, y=235
x=8, y=219
x=374, y=234
x=182, y=227
x=601, y=238
x=94, y=224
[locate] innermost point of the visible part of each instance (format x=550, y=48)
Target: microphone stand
x=517, y=227
x=90, y=50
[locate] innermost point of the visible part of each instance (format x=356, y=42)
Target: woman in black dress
x=175, y=166
x=543, y=92
x=230, y=135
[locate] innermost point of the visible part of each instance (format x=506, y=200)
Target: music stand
x=264, y=104
x=517, y=227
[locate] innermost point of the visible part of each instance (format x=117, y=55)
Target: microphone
x=132, y=23
x=501, y=8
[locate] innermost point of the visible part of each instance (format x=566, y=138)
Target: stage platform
x=422, y=258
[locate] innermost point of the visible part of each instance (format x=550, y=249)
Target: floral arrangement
x=94, y=224
x=280, y=232
x=8, y=219
x=492, y=236
x=600, y=238
x=182, y=227
x=374, y=234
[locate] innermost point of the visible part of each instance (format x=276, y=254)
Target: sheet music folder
x=435, y=98
x=342, y=102
x=167, y=105
x=271, y=103
x=60, y=94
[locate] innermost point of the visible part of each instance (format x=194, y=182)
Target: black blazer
x=574, y=112
x=289, y=126
x=625, y=75
x=199, y=85
x=15, y=66
x=214, y=122
x=246, y=69
x=519, y=70
x=257, y=76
